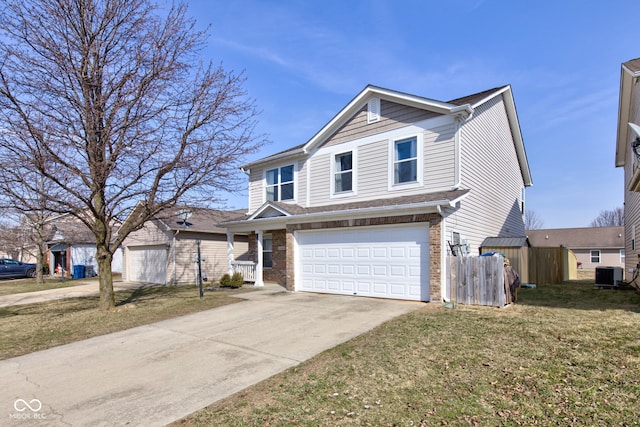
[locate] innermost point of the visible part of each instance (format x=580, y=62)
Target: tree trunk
x=107, y=296
x=39, y=264
x=39, y=241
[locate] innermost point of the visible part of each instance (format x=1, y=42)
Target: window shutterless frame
x=406, y=162
x=279, y=183
x=343, y=173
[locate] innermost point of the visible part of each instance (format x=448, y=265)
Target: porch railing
x=246, y=268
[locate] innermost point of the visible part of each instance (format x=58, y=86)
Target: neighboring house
x=371, y=204
x=593, y=246
x=628, y=157
x=71, y=243
x=165, y=250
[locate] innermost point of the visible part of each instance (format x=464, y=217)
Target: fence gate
x=477, y=280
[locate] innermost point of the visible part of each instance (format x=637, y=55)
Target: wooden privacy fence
x=550, y=265
x=477, y=280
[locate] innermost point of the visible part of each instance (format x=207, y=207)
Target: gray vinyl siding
x=256, y=188
x=631, y=199
x=372, y=170
x=373, y=163
x=439, y=158
x=491, y=171
x=392, y=116
x=319, y=182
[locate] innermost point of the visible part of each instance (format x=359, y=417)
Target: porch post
x=230, y=258
x=259, y=280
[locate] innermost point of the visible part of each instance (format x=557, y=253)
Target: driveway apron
x=158, y=373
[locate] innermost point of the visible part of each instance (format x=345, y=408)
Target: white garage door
x=374, y=261
x=147, y=264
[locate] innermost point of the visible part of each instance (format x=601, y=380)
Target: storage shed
x=514, y=248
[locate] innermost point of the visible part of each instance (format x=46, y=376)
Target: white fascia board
x=514, y=124
x=624, y=113
x=492, y=95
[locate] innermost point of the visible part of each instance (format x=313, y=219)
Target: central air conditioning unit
x=609, y=276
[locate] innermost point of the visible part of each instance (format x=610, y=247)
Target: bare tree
x=612, y=218
x=532, y=221
x=107, y=101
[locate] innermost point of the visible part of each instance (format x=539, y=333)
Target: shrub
x=237, y=280
x=225, y=281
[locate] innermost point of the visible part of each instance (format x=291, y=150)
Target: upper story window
x=343, y=172
x=280, y=183
x=405, y=161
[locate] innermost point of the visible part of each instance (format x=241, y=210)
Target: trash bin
x=78, y=271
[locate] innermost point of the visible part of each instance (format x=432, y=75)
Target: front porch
x=268, y=255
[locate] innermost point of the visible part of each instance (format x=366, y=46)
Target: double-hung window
x=280, y=183
x=405, y=161
x=343, y=172
x=595, y=256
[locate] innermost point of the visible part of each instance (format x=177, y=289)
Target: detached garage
x=382, y=261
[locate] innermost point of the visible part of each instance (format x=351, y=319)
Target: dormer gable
x=269, y=210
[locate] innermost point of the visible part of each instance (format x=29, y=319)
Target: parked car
x=12, y=268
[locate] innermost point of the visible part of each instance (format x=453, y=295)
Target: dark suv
x=12, y=268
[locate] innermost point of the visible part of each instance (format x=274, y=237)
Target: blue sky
x=305, y=60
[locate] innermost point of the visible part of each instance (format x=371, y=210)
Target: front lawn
x=28, y=328
x=565, y=355
x=19, y=286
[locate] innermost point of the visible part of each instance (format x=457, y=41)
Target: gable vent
x=373, y=110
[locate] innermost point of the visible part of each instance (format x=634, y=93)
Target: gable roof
x=629, y=75
x=461, y=107
x=578, y=238
x=200, y=220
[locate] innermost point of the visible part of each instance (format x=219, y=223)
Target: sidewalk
x=84, y=288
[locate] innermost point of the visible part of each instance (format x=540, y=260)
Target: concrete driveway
x=156, y=374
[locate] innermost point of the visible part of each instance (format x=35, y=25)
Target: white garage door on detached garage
x=147, y=264
x=384, y=262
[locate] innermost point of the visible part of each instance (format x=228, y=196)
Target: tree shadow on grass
x=144, y=294
x=580, y=295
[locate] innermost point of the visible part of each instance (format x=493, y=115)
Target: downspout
x=443, y=258
x=461, y=118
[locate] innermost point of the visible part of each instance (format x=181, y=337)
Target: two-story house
x=628, y=157
x=372, y=204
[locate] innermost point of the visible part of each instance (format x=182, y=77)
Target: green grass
x=564, y=355
x=28, y=328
